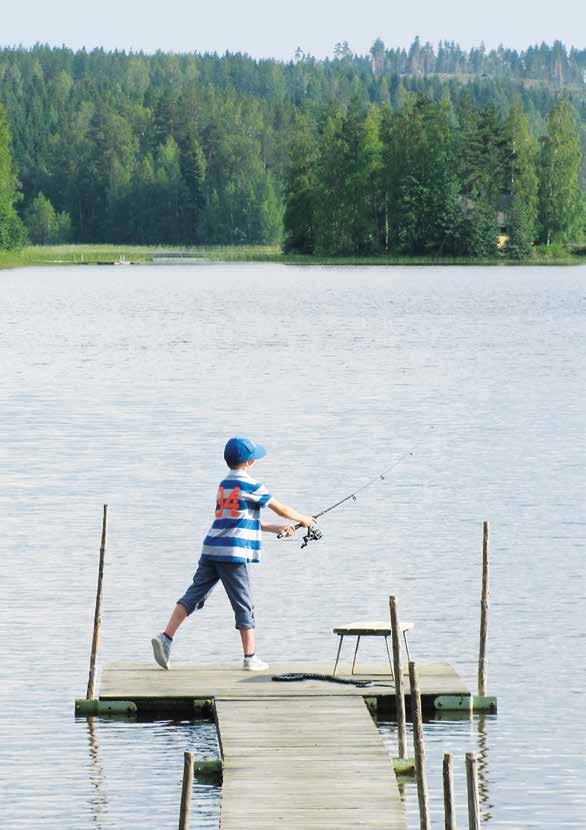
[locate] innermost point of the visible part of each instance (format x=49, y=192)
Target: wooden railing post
x=419, y=746
x=449, y=809
x=398, y=678
x=185, y=809
x=91, y=686
x=472, y=782
x=483, y=615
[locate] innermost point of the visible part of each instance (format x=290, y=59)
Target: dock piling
x=90, y=705
x=481, y=702
x=482, y=662
x=187, y=788
x=449, y=810
x=91, y=686
x=419, y=746
x=398, y=678
x=472, y=783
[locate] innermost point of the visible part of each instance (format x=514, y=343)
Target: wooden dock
x=296, y=755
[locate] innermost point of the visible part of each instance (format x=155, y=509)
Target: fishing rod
x=314, y=533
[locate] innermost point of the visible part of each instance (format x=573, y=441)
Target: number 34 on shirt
x=231, y=503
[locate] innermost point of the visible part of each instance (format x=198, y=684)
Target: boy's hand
x=307, y=521
x=287, y=530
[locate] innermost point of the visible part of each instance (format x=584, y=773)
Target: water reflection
x=165, y=742
x=153, y=750
x=457, y=733
x=483, y=769
x=99, y=798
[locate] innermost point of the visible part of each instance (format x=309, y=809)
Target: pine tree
x=41, y=219
x=523, y=209
x=479, y=231
x=561, y=203
x=419, y=169
x=45, y=226
x=330, y=226
x=298, y=219
x=193, y=171
x=360, y=169
x=12, y=232
x=347, y=201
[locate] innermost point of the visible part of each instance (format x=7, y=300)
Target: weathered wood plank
x=290, y=764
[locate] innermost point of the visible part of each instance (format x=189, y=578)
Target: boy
x=234, y=539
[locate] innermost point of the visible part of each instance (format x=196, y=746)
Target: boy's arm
x=290, y=513
x=285, y=530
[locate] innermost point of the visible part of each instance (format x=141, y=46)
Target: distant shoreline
x=147, y=255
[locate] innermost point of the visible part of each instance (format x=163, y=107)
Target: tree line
x=543, y=62
x=192, y=149
x=430, y=178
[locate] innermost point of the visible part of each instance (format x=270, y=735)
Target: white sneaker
x=254, y=664
x=161, y=650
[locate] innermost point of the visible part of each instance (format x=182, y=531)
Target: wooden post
x=398, y=677
x=483, y=615
x=91, y=686
x=419, y=746
x=472, y=781
x=186, y=791
x=449, y=810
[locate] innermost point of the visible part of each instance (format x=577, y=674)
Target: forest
x=428, y=149
x=433, y=179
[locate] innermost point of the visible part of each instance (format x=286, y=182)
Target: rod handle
x=282, y=535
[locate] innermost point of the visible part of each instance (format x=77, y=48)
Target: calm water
x=121, y=385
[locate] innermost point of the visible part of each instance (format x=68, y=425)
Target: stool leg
x=406, y=645
x=389, y=656
x=338, y=654
x=355, y=653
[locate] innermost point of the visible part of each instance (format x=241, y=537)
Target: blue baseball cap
x=238, y=450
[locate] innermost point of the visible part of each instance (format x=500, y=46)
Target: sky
x=274, y=28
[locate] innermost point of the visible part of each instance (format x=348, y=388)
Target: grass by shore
x=48, y=255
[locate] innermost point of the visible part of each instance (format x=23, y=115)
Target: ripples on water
x=121, y=385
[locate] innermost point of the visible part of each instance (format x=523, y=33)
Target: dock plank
x=323, y=767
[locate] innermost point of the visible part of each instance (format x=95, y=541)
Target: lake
x=121, y=386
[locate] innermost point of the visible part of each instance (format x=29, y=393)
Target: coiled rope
x=293, y=677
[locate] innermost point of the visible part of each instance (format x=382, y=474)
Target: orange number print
x=231, y=503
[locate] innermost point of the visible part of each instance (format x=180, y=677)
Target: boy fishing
x=233, y=541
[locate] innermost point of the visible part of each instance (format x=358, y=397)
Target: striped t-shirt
x=235, y=535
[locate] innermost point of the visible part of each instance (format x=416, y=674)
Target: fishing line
x=314, y=534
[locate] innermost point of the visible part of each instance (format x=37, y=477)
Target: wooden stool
x=364, y=628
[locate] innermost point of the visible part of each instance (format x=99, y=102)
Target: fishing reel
x=313, y=534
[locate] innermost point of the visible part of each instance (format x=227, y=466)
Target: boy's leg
x=248, y=641
x=204, y=581
x=178, y=616
x=234, y=576
x=235, y=580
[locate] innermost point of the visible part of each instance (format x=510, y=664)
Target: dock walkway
x=311, y=763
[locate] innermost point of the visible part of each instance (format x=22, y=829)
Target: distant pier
x=180, y=258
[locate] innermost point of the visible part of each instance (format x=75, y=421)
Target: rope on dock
x=292, y=677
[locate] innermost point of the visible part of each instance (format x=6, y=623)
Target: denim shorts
x=234, y=578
